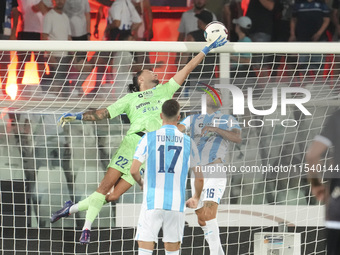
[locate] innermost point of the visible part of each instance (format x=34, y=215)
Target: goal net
x=42, y=165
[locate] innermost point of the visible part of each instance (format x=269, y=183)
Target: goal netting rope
x=43, y=165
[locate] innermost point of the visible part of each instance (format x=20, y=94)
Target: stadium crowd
x=261, y=21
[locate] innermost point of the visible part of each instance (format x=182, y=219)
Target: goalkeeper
x=143, y=107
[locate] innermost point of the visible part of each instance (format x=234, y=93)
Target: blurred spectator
x=189, y=20
x=336, y=36
x=30, y=28
x=145, y=31
x=262, y=15
x=203, y=19
x=282, y=15
x=78, y=12
x=310, y=21
x=124, y=65
x=240, y=66
x=204, y=72
x=308, y=24
x=216, y=7
x=335, y=19
x=231, y=11
x=8, y=12
x=48, y=4
x=102, y=59
x=123, y=20
x=56, y=26
x=102, y=12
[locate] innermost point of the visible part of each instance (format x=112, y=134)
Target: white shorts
x=151, y=221
x=213, y=190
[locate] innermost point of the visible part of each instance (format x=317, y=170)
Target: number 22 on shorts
x=121, y=161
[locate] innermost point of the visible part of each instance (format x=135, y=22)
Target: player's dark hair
x=134, y=87
x=170, y=109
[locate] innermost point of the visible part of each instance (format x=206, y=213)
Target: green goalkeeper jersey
x=143, y=108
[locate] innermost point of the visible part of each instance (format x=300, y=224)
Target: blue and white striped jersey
x=211, y=146
x=168, y=154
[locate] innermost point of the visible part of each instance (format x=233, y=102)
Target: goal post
x=281, y=99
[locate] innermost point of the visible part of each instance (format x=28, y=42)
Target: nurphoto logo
x=238, y=104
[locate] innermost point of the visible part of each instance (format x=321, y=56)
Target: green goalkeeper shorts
x=122, y=160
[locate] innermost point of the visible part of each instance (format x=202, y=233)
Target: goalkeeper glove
x=68, y=117
x=215, y=44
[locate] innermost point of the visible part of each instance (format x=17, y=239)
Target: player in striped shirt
x=168, y=154
x=212, y=133
x=143, y=108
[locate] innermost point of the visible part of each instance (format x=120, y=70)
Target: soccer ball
x=213, y=30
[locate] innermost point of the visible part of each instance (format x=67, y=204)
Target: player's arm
x=184, y=125
x=197, y=172
x=117, y=108
x=94, y=115
x=138, y=159
x=91, y=115
x=234, y=135
x=136, y=164
x=193, y=63
x=199, y=181
x=181, y=127
x=313, y=156
x=185, y=56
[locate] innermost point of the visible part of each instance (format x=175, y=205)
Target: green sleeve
x=119, y=107
x=169, y=88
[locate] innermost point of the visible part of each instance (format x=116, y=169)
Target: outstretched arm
x=187, y=69
x=94, y=115
x=199, y=182
x=91, y=115
x=181, y=75
x=136, y=164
